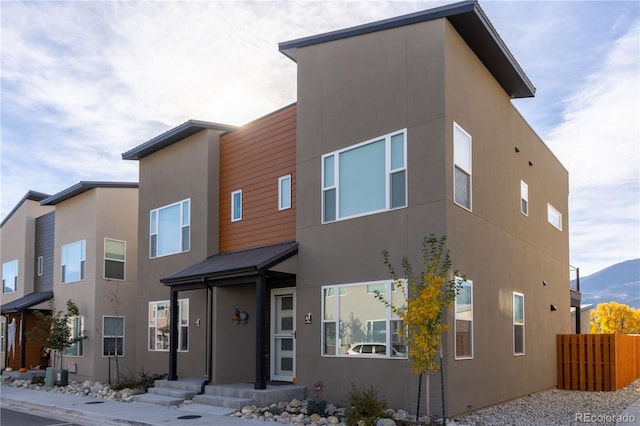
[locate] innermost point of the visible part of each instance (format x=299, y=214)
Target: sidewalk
x=631, y=415
x=104, y=412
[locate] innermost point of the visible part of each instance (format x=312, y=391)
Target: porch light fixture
x=240, y=316
x=554, y=308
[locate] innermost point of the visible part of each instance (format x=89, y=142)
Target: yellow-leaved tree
x=428, y=295
x=615, y=318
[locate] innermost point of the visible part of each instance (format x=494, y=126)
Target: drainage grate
x=95, y=402
x=189, y=417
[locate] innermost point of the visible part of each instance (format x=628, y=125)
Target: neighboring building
x=26, y=256
x=406, y=128
x=94, y=265
x=584, y=321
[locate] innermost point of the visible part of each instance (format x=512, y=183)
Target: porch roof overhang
x=228, y=268
x=25, y=302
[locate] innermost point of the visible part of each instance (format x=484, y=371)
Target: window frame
x=284, y=202
x=552, y=210
x=114, y=336
x=77, y=349
x=184, y=223
x=516, y=323
x=460, y=167
x=15, y=277
x=182, y=326
x=524, y=198
x=329, y=291
x=463, y=281
x=330, y=180
x=123, y=261
x=236, y=212
x=64, y=263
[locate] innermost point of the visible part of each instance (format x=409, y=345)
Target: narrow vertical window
x=329, y=188
x=284, y=192
x=462, y=167
x=114, y=259
x=10, y=276
x=236, y=205
x=524, y=198
x=398, y=172
x=464, y=320
x=518, y=323
x=40, y=267
x=554, y=217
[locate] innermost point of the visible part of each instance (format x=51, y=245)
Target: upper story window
x=284, y=192
x=236, y=205
x=524, y=198
x=159, y=318
x=366, y=178
x=464, y=320
x=10, y=276
x=518, y=323
x=73, y=261
x=114, y=259
x=462, y=167
x=554, y=217
x=170, y=229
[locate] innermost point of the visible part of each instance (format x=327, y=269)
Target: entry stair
x=235, y=396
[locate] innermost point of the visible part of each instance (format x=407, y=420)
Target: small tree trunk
x=419, y=397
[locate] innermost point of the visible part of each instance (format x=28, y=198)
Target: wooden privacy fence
x=597, y=362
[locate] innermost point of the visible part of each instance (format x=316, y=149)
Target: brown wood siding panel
x=252, y=159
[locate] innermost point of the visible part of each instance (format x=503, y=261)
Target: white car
x=373, y=348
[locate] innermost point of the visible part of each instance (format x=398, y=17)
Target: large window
x=464, y=320
x=76, y=326
x=366, y=178
x=554, y=217
x=462, y=167
x=112, y=336
x=355, y=323
x=518, y=323
x=236, y=205
x=159, y=318
x=524, y=198
x=10, y=276
x=284, y=192
x=114, y=259
x=170, y=229
x=73, y=261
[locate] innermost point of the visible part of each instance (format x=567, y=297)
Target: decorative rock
x=333, y=420
x=401, y=415
x=295, y=403
x=385, y=422
x=248, y=409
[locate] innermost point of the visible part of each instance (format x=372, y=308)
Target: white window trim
x=469, y=172
x=124, y=261
x=455, y=322
x=83, y=268
x=513, y=333
x=233, y=210
x=551, y=209
x=15, y=278
x=388, y=173
x=179, y=326
x=284, y=204
x=524, y=196
x=114, y=336
x=153, y=232
x=40, y=266
x=336, y=301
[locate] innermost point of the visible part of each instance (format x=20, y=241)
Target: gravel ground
x=557, y=407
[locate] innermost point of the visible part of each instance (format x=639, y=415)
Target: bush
x=365, y=407
x=143, y=382
x=38, y=380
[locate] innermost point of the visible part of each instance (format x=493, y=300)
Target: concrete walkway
x=103, y=412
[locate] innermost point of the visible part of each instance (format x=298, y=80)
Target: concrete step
x=165, y=401
x=172, y=392
x=190, y=384
x=261, y=397
x=222, y=401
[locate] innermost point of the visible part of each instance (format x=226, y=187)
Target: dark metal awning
x=26, y=302
x=241, y=263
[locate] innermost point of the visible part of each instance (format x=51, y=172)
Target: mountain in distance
x=619, y=283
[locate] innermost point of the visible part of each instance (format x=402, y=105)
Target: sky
x=81, y=82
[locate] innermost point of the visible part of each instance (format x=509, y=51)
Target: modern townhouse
x=26, y=256
x=94, y=265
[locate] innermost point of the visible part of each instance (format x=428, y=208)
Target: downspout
x=261, y=291
x=23, y=338
x=209, y=338
x=6, y=342
x=173, y=335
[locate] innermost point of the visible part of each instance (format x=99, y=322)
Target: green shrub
x=38, y=380
x=365, y=406
x=143, y=382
